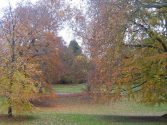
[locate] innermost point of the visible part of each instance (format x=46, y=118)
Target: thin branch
x=141, y=46
x=156, y=5
x=151, y=34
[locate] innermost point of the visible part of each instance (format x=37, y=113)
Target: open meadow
x=119, y=113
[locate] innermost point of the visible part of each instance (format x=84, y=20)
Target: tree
x=80, y=68
x=51, y=63
x=75, y=48
x=16, y=81
x=120, y=35
x=104, y=39
x=148, y=42
x=25, y=34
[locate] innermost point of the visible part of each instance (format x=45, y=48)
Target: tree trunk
x=10, y=114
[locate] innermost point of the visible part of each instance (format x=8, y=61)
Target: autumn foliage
x=124, y=51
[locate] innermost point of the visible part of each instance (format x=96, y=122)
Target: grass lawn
x=123, y=113
x=120, y=113
x=53, y=118
x=69, y=88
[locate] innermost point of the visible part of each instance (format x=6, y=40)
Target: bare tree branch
x=156, y=5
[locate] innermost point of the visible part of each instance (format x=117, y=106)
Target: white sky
x=66, y=33
x=4, y=3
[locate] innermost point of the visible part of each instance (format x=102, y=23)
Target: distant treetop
x=76, y=49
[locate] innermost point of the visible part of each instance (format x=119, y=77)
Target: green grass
x=69, y=88
x=122, y=113
x=120, y=108
x=53, y=118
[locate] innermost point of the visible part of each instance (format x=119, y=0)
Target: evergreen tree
x=75, y=48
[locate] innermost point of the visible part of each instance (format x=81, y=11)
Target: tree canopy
x=127, y=42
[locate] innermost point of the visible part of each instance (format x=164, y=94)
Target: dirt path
x=62, y=99
x=72, y=95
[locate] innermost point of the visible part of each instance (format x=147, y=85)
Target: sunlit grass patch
x=69, y=88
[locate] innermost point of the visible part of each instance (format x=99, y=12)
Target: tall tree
x=25, y=34
x=118, y=36
x=17, y=83
x=75, y=48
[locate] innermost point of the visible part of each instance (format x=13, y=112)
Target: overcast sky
x=4, y=3
x=66, y=33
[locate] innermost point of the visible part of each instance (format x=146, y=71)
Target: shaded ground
x=134, y=119
x=52, y=118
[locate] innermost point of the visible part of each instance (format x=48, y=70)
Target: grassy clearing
x=52, y=118
x=123, y=108
x=71, y=88
x=123, y=113
x=120, y=113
